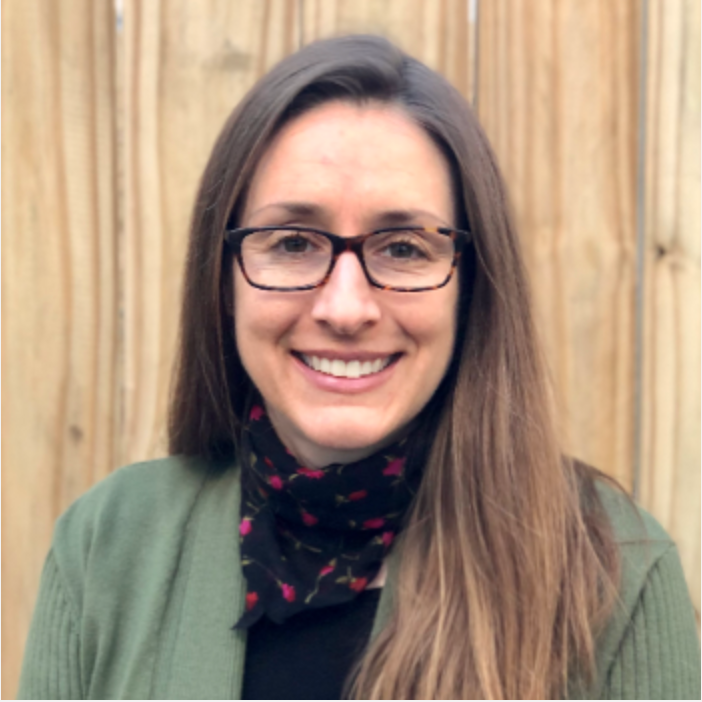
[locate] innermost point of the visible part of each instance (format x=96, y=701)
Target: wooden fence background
x=109, y=117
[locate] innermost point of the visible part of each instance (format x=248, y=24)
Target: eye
x=294, y=243
x=403, y=245
x=404, y=249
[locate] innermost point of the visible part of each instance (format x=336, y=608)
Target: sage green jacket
x=142, y=586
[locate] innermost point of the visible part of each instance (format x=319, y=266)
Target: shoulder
x=132, y=498
x=136, y=515
x=642, y=542
x=630, y=523
x=651, y=580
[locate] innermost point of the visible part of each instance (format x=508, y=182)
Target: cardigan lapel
x=207, y=661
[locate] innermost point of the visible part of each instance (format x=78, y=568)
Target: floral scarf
x=313, y=538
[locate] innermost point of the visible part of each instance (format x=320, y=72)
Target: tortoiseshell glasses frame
x=460, y=238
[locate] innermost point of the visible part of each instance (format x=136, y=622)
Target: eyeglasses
x=404, y=259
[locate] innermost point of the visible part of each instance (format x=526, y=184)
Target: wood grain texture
x=557, y=97
x=59, y=282
x=186, y=67
x=436, y=32
x=670, y=485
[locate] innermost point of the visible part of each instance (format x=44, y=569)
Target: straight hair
x=507, y=566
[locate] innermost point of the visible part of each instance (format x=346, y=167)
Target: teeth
x=353, y=369
x=342, y=369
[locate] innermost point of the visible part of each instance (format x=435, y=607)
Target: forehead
x=352, y=158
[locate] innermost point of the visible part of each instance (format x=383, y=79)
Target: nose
x=347, y=301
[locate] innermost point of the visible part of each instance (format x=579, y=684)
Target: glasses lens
x=286, y=258
x=409, y=259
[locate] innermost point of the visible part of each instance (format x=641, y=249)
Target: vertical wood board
x=670, y=450
x=557, y=97
x=58, y=281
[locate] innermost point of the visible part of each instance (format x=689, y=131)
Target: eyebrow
x=309, y=210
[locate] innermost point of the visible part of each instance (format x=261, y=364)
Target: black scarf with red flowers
x=314, y=538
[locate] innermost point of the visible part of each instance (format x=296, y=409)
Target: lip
x=349, y=386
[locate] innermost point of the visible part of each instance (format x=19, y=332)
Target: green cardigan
x=142, y=586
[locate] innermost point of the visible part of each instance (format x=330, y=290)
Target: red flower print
x=288, y=592
x=256, y=413
x=394, y=467
x=245, y=527
x=326, y=570
x=358, y=495
x=268, y=462
x=251, y=600
x=387, y=538
x=275, y=482
x=358, y=584
x=309, y=519
x=376, y=523
x=309, y=473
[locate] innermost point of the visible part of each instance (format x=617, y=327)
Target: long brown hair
x=507, y=565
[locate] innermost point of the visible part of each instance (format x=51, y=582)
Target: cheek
x=443, y=337
x=442, y=333
x=261, y=320
x=250, y=328
x=434, y=327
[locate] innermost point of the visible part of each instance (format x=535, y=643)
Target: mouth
x=354, y=368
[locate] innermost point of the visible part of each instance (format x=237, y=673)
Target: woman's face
x=347, y=169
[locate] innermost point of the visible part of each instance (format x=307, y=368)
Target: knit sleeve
x=51, y=666
x=659, y=657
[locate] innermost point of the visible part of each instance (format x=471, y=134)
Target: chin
x=340, y=442
x=345, y=437
x=335, y=435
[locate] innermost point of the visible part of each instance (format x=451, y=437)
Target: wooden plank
x=58, y=280
x=670, y=485
x=557, y=97
x=186, y=66
x=437, y=33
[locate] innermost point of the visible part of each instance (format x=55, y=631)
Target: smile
x=347, y=369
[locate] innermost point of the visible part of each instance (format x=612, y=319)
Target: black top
x=310, y=655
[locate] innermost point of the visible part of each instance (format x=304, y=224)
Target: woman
x=367, y=495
